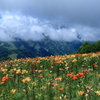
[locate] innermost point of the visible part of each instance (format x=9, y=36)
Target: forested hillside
x=45, y=47
x=89, y=47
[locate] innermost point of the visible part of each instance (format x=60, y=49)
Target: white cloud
x=59, y=19
x=16, y=25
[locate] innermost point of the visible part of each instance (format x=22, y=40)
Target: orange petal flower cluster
x=59, y=62
x=40, y=76
x=4, y=79
x=33, y=62
x=33, y=70
x=13, y=91
x=78, y=55
x=95, y=65
x=81, y=92
x=76, y=76
x=85, y=71
x=55, y=85
x=61, y=89
x=58, y=78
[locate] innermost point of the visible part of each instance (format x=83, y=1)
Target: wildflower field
x=67, y=77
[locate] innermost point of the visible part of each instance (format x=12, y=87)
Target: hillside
x=87, y=47
x=45, y=47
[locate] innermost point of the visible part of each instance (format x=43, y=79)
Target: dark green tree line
x=88, y=47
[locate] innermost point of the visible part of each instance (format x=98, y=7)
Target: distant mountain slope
x=45, y=47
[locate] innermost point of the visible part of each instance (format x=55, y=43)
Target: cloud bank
x=59, y=19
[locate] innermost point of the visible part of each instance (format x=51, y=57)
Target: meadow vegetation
x=67, y=77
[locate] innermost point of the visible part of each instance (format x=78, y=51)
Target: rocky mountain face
x=45, y=47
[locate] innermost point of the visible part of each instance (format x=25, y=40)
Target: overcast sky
x=58, y=19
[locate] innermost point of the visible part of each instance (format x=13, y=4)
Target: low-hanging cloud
x=28, y=28
x=58, y=19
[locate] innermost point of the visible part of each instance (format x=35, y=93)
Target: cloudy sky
x=58, y=19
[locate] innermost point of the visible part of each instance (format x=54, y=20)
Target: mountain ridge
x=45, y=47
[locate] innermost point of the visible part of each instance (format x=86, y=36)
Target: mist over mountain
x=45, y=47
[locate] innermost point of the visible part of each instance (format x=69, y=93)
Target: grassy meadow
x=67, y=77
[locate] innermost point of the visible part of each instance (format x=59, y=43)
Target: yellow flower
x=43, y=87
x=39, y=71
x=60, y=69
x=41, y=66
x=86, y=95
x=6, y=65
x=23, y=80
x=34, y=83
x=89, y=87
x=98, y=92
x=27, y=79
x=13, y=91
x=48, y=83
x=74, y=60
x=81, y=92
x=99, y=75
x=93, y=55
x=18, y=71
x=14, y=69
x=24, y=71
x=4, y=70
x=66, y=67
x=11, y=71
x=66, y=64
